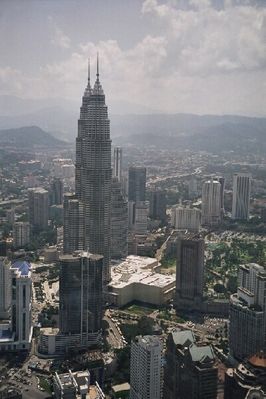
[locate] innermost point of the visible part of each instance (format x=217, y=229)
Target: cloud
x=198, y=58
x=59, y=38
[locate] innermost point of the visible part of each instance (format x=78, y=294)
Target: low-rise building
x=136, y=279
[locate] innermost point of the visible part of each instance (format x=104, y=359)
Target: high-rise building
x=15, y=305
x=247, y=313
x=38, y=207
x=190, y=370
x=186, y=218
x=141, y=217
x=119, y=221
x=117, y=163
x=189, y=271
x=146, y=368
x=157, y=205
x=94, y=173
x=222, y=182
x=136, y=183
x=5, y=288
x=22, y=303
x=211, y=203
x=56, y=192
x=21, y=234
x=73, y=232
x=80, y=296
x=241, y=196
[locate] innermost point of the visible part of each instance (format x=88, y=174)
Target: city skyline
x=202, y=56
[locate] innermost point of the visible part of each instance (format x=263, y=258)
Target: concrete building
x=141, y=218
x=136, y=279
x=119, y=221
x=247, y=380
x=157, y=208
x=186, y=218
x=136, y=183
x=76, y=385
x=94, y=172
x=80, y=295
x=189, y=271
x=222, y=182
x=117, y=163
x=211, y=203
x=241, y=196
x=38, y=208
x=190, y=369
x=16, y=332
x=73, y=232
x=146, y=368
x=247, y=314
x=21, y=234
x=5, y=288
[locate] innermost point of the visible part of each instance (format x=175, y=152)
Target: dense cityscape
x=133, y=267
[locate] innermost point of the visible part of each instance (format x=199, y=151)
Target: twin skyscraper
x=87, y=214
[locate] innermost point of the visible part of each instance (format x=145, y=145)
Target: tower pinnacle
x=97, y=74
x=88, y=88
x=97, y=85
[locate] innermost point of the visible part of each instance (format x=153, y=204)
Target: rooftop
x=138, y=269
x=22, y=266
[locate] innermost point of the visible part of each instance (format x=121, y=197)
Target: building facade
x=136, y=183
x=93, y=173
x=146, y=368
x=119, y=221
x=247, y=313
x=117, y=163
x=189, y=271
x=211, y=203
x=186, y=218
x=21, y=234
x=80, y=295
x=190, y=370
x=157, y=208
x=38, y=208
x=5, y=288
x=241, y=196
x=73, y=231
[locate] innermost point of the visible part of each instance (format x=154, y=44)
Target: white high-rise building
x=146, y=368
x=241, y=196
x=5, y=288
x=186, y=218
x=211, y=203
x=117, y=163
x=21, y=234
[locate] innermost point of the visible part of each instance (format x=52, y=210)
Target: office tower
x=56, y=192
x=119, y=221
x=136, y=183
x=93, y=172
x=247, y=380
x=146, y=368
x=5, y=288
x=247, y=312
x=241, y=196
x=10, y=216
x=21, y=234
x=190, y=370
x=38, y=208
x=157, y=208
x=22, y=303
x=189, y=271
x=222, y=182
x=117, y=166
x=80, y=295
x=186, y=218
x=211, y=203
x=73, y=232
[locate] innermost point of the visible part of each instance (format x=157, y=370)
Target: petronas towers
x=92, y=201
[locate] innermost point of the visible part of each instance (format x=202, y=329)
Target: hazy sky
x=200, y=56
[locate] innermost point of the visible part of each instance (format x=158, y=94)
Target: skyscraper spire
x=97, y=85
x=88, y=88
x=97, y=74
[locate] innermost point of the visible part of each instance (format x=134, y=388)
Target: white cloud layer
x=198, y=59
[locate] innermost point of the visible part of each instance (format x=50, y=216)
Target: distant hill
x=28, y=137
